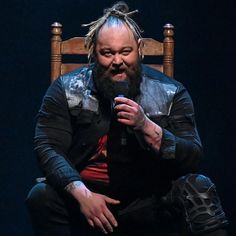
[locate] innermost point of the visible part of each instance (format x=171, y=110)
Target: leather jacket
x=73, y=117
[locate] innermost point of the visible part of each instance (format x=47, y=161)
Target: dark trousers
x=57, y=213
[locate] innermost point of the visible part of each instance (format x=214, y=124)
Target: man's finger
x=90, y=222
x=125, y=100
x=99, y=224
x=110, y=217
x=106, y=223
x=111, y=200
x=124, y=115
x=123, y=107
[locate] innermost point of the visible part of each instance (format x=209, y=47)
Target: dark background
x=204, y=62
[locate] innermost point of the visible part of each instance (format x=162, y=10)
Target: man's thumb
x=112, y=201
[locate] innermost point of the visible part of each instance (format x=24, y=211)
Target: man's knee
x=201, y=204
x=40, y=196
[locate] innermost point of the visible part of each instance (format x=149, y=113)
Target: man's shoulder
x=78, y=80
x=79, y=89
x=77, y=74
x=154, y=74
x=157, y=92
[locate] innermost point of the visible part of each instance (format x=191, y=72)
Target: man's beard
x=108, y=88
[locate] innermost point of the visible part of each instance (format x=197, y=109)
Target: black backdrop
x=204, y=63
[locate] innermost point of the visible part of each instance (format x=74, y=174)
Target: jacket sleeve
x=53, y=137
x=180, y=141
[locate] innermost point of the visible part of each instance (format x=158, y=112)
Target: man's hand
x=94, y=207
x=130, y=113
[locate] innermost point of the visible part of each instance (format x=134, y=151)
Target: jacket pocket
x=84, y=117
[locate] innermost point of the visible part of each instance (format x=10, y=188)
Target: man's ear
x=140, y=48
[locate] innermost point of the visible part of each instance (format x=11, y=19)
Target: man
x=111, y=138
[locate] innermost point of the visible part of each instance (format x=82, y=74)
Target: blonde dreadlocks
x=119, y=14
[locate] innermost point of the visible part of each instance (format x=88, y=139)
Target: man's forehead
x=113, y=30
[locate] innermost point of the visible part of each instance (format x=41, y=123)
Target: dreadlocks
x=118, y=14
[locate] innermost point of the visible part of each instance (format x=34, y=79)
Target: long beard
x=107, y=87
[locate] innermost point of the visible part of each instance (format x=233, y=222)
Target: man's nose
x=117, y=60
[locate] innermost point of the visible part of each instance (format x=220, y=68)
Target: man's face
x=116, y=51
x=117, y=60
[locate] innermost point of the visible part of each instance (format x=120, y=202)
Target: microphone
x=121, y=89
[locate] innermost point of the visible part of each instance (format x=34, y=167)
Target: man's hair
x=117, y=15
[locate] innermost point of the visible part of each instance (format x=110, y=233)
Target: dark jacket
x=73, y=117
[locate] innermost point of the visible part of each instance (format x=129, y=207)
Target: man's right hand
x=94, y=207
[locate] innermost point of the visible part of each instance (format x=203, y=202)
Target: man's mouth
x=118, y=74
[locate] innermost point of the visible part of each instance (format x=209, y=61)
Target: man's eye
x=126, y=53
x=106, y=54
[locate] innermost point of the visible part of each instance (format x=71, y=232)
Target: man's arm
x=180, y=140
x=175, y=139
x=53, y=138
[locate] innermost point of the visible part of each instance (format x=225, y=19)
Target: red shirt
x=97, y=169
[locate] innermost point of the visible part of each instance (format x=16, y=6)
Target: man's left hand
x=130, y=113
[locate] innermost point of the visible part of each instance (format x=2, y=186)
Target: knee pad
x=199, y=200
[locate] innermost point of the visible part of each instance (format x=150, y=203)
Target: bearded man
x=118, y=144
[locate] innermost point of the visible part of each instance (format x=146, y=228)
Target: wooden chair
x=75, y=46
